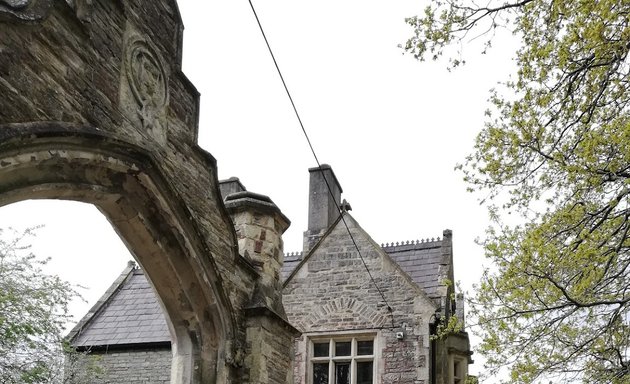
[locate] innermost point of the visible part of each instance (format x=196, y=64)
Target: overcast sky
x=392, y=128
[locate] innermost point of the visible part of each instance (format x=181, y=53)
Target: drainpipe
x=433, y=347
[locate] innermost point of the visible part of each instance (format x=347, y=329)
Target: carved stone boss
x=148, y=84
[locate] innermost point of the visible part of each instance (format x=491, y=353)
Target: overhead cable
x=389, y=308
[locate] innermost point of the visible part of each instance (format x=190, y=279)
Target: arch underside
x=128, y=187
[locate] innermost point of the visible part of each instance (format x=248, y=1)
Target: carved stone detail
x=24, y=10
x=235, y=355
x=147, y=81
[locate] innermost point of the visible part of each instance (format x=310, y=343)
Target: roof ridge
x=412, y=242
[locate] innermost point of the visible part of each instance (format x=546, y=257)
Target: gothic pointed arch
x=125, y=182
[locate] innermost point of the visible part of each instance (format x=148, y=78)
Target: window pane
x=320, y=349
x=342, y=373
x=365, y=347
x=320, y=373
x=343, y=348
x=364, y=372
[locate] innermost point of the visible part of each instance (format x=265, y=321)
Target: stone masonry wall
x=266, y=339
x=95, y=108
x=128, y=367
x=333, y=293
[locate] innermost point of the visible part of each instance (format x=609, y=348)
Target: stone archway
x=94, y=107
x=60, y=161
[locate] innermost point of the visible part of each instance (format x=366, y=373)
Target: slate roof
x=291, y=261
x=128, y=313
x=419, y=259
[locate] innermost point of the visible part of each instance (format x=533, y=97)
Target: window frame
x=353, y=358
x=458, y=370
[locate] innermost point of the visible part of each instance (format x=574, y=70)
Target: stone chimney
x=322, y=205
x=259, y=226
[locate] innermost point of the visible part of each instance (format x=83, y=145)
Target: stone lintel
x=459, y=344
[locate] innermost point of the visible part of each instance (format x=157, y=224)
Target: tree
x=33, y=315
x=555, y=152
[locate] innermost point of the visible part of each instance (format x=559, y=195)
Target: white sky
x=392, y=128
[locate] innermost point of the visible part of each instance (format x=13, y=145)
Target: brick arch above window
x=344, y=314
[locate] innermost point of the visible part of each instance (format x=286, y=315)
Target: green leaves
x=33, y=313
x=556, y=151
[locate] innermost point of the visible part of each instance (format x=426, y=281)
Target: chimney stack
x=322, y=210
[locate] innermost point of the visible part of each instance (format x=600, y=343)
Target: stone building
x=95, y=108
x=360, y=312
x=367, y=312
x=125, y=334
x=128, y=338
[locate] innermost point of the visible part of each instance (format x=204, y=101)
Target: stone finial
x=259, y=225
x=230, y=186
